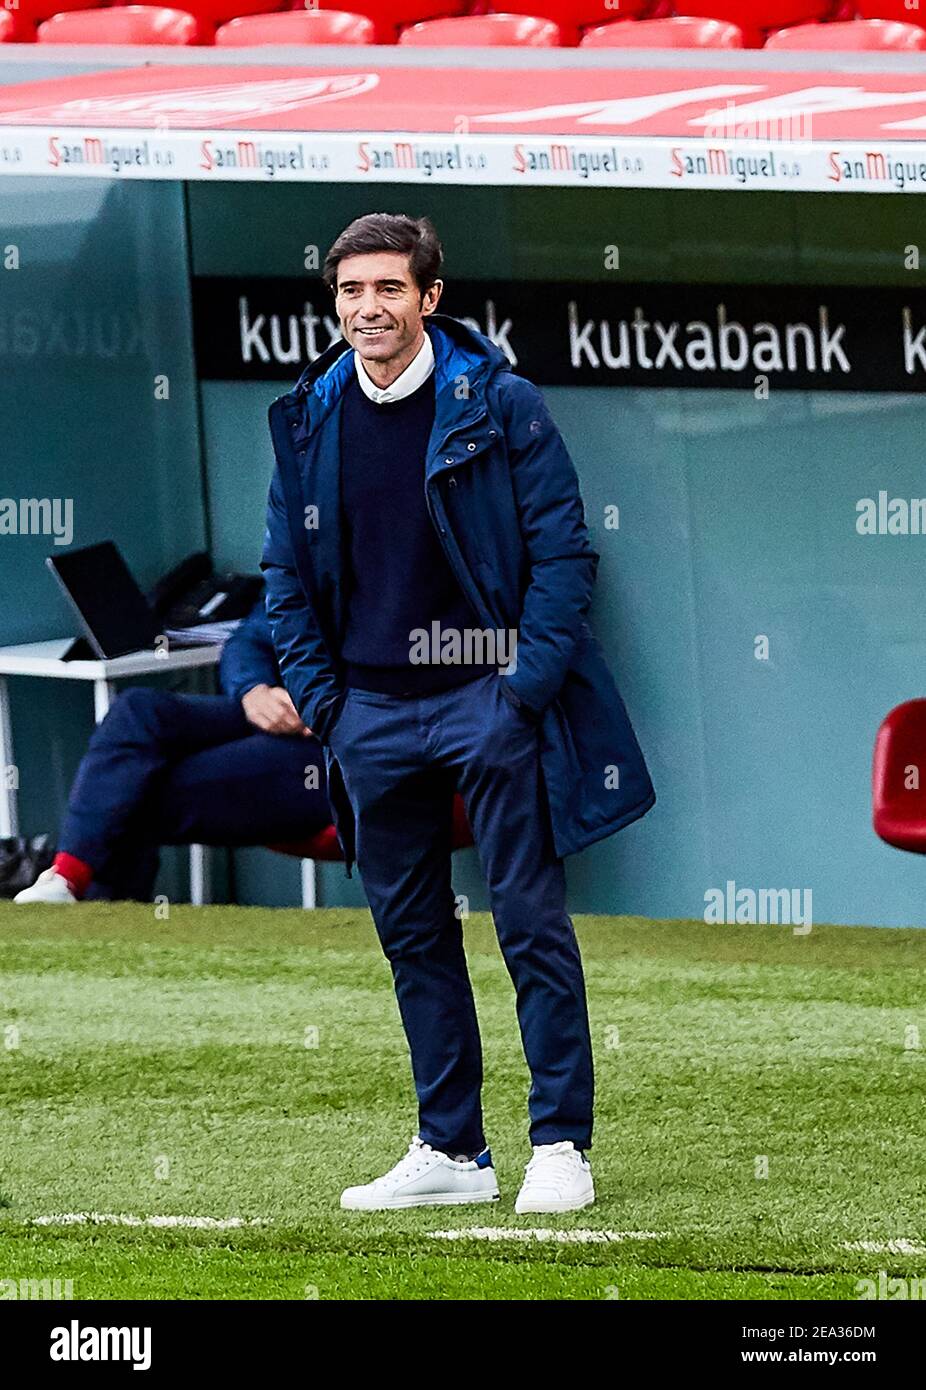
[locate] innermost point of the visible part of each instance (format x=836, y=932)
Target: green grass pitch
x=247, y=1063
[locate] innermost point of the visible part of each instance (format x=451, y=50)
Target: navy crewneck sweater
x=398, y=577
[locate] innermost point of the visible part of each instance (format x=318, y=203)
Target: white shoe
x=49, y=887
x=557, y=1178
x=426, y=1177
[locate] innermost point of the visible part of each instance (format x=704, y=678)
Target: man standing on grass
x=423, y=515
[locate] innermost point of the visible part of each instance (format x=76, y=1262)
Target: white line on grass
x=885, y=1247
x=578, y=1237
x=95, y=1218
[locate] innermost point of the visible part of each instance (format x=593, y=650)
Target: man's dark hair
x=414, y=237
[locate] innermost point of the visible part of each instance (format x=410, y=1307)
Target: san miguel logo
x=424, y=157
x=875, y=167
x=586, y=161
x=736, y=165
x=218, y=156
x=89, y=150
x=95, y=151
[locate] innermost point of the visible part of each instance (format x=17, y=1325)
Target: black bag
x=22, y=860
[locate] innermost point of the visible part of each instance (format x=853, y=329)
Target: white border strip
x=538, y=1234
x=885, y=1247
x=262, y=156
x=543, y=1233
x=198, y=1223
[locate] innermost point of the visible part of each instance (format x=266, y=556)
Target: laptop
x=113, y=613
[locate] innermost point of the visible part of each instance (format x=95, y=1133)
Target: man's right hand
x=269, y=708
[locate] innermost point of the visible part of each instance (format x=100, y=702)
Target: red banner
x=566, y=101
x=650, y=128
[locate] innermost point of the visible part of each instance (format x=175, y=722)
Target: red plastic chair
x=855, y=36
x=891, y=9
x=484, y=31
x=296, y=26
x=756, y=17
x=757, y=14
x=324, y=846
x=123, y=24
x=572, y=15
x=213, y=12
x=389, y=16
x=680, y=32
x=899, y=811
x=575, y=14
x=29, y=13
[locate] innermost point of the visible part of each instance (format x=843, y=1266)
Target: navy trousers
x=402, y=759
x=169, y=769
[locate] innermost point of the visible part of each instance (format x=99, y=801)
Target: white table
x=44, y=659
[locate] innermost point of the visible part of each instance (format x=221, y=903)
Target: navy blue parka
x=504, y=498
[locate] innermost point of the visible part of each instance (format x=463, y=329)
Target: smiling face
x=381, y=311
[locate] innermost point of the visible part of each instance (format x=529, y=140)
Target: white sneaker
x=49, y=887
x=557, y=1178
x=426, y=1177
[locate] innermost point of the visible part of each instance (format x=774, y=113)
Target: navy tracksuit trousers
x=170, y=769
x=401, y=759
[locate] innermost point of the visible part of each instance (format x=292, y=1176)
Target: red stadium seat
x=756, y=17
x=213, y=12
x=389, y=16
x=573, y=15
x=324, y=846
x=899, y=809
x=28, y=13
x=123, y=24
x=292, y=26
x=484, y=31
x=756, y=14
x=892, y=9
x=7, y=27
x=681, y=32
x=855, y=36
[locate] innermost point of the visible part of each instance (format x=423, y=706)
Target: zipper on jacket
x=442, y=532
x=439, y=523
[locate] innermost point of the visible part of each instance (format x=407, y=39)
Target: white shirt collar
x=416, y=373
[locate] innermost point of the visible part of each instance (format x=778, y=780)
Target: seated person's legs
x=142, y=736
x=234, y=769
x=128, y=874
x=254, y=790
x=257, y=790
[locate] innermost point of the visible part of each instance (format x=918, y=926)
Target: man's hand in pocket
x=269, y=708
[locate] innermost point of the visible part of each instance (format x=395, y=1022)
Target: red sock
x=78, y=874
